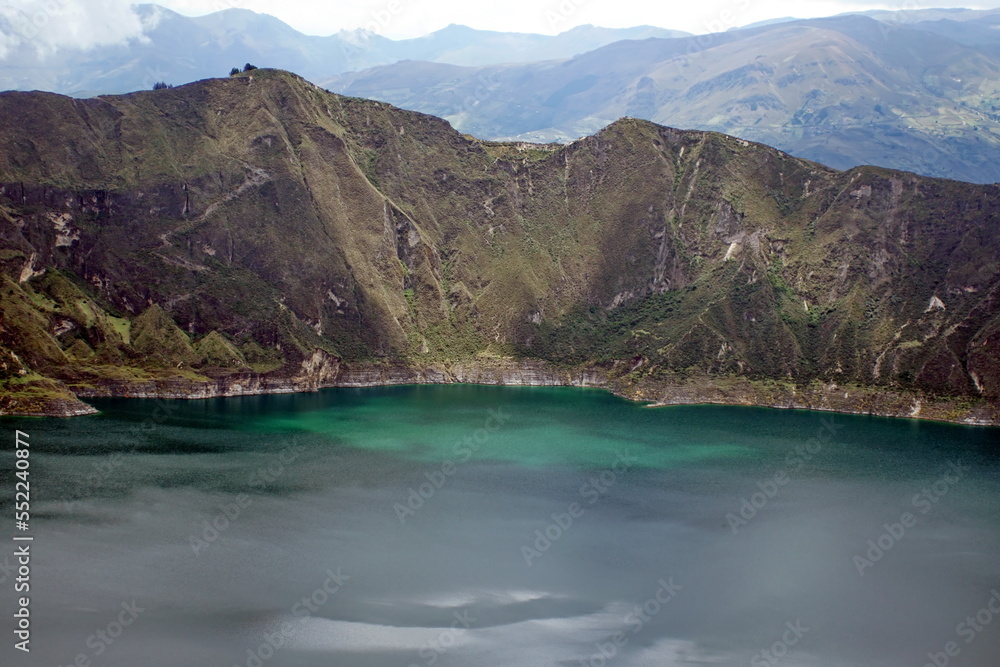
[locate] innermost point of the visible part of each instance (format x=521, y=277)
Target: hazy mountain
x=460, y=45
x=767, y=22
x=982, y=33
x=258, y=233
x=917, y=15
x=178, y=49
x=844, y=91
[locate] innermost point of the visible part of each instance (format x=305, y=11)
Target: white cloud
x=52, y=25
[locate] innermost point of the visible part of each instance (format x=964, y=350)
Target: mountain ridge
x=843, y=90
x=258, y=233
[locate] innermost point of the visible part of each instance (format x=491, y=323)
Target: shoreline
x=700, y=390
x=855, y=413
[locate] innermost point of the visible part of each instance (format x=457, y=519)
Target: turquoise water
x=468, y=525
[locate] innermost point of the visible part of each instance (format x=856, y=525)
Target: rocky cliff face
x=257, y=234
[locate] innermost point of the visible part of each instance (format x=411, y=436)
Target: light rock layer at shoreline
x=721, y=390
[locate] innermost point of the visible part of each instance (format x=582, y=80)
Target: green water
x=537, y=426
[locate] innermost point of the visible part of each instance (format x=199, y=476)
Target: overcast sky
x=84, y=23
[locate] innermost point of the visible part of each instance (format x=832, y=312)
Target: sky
x=412, y=18
x=52, y=24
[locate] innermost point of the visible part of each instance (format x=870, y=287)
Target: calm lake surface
x=468, y=526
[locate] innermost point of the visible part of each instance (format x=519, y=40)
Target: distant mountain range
x=179, y=49
x=917, y=90
x=844, y=91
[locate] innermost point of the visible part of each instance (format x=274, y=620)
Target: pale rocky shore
x=323, y=371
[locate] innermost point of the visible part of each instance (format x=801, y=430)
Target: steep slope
x=259, y=234
x=844, y=91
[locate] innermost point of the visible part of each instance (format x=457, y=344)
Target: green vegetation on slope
x=257, y=224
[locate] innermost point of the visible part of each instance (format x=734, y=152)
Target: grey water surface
x=468, y=526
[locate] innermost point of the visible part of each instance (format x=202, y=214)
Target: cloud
x=50, y=26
